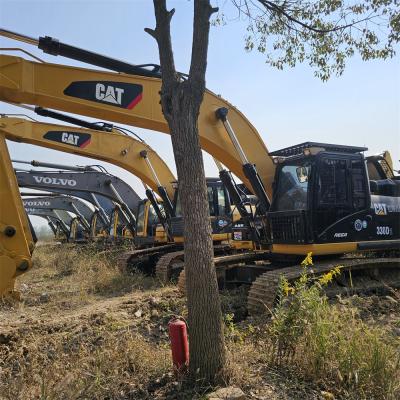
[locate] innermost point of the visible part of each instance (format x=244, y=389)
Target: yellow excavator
x=311, y=197
x=151, y=239
x=16, y=243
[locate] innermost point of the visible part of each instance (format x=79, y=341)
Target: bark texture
x=181, y=100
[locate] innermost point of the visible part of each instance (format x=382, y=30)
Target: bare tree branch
x=162, y=34
x=201, y=28
x=151, y=32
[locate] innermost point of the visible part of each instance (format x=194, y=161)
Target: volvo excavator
x=58, y=221
x=66, y=203
x=115, y=200
x=311, y=197
x=99, y=223
x=62, y=224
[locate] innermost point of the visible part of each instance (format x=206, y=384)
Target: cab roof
x=299, y=148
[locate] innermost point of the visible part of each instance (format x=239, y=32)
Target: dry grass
x=90, y=364
x=332, y=345
x=88, y=271
x=328, y=345
x=87, y=330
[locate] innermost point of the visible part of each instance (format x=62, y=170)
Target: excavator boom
x=65, y=203
x=134, y=100
x=115, y=148
x=99, y=188
x=91, y=182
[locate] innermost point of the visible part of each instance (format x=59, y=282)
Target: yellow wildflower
x=307, y=261
x=327, y=278
x=286, y=288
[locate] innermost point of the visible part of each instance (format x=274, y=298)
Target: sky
x=360, y=108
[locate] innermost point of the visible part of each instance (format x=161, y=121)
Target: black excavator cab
x=322, y=195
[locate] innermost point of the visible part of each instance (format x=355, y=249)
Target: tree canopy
x=323, y=33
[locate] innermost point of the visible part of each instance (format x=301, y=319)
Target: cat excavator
x=311, y=197
x=142, y=161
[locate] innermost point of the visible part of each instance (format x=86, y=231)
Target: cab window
x=222, y=203
x=153, y=219
x=291, y=192
x=140, y=218
x=210, y=197
x=333, y=186
x=373, y=173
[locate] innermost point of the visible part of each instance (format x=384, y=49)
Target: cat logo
x=109, y=94
x=380, y=209
x=69, y=138
x=76, y=139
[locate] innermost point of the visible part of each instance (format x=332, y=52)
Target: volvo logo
x=54, y=181
x=36, y=203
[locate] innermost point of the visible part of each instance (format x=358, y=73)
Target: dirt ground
x=88, y=331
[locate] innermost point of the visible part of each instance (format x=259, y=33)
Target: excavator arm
x=134, y=100
x=99, y=188
x=57, y=216
x=66, y=203
x=95, y=182
x=115, y=148
x=16, y=241
x=103, y=206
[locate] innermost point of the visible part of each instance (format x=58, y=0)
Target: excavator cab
x=97, y=230
x=148, y=228
x=77, y=234
x=322, y=195
x=220, y=212
x=118, y=229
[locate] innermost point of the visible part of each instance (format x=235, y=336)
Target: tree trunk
x=205, y=319
x=181, y=100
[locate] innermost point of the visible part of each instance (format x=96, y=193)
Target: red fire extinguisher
x=179, y=343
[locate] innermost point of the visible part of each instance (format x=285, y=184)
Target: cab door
x=340, y=192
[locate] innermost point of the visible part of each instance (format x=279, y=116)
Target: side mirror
x=302, y=174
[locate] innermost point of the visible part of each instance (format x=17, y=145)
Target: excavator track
x=264, y=290
x=131, y=257
x=223, y=262
x=165, y=265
